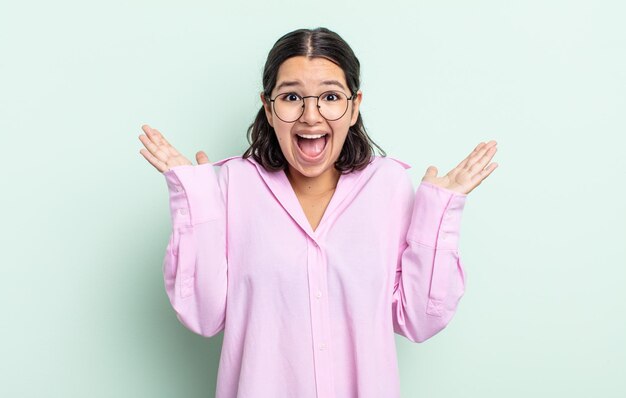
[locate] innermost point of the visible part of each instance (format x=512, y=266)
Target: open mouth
x=312, y=145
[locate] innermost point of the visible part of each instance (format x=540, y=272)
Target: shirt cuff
x=194, y=194
x=436, y=220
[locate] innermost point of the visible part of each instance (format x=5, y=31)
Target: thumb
x=431, y=171
x=202, y=158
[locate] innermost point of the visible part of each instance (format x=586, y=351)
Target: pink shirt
x=311, y=313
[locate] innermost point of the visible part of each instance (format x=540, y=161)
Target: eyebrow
x=298, y=83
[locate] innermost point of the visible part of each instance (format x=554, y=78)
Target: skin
x=312, y=179
x=318, y=180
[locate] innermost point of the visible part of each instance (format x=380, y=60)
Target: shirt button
x=443, y=236
x=182, y=211
x=322, y=346
x=318, y=294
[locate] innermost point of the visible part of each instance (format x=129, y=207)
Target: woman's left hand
x=468, y=174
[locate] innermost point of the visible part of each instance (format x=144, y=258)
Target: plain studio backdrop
x=86, y=222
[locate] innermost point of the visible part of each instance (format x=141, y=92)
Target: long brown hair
x=358, y=149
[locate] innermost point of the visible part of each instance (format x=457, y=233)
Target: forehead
x=305, y=72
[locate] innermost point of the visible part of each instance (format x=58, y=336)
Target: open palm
x=161, y=154
x=468, y=174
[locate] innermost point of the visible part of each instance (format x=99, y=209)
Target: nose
x=311, y=113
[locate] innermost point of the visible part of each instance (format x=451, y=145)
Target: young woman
x=309, y=251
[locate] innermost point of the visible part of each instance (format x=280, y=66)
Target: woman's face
x=311, y=76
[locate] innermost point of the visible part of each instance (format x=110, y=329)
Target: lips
x=311, y=146
x=307, y=132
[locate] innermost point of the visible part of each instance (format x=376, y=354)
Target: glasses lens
x=333, y=105
x=288, y=106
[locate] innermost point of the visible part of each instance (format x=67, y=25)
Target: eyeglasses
x=289, y=107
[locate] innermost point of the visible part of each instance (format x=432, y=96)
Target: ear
x=268, y=109
x=356, y=102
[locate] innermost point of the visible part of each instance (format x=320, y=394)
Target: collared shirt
x=311, y=313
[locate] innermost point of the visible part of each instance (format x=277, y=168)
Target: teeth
x=310, y=136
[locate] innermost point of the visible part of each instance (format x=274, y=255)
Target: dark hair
x=357, y=149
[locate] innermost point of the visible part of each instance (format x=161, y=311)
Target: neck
x=313, y=186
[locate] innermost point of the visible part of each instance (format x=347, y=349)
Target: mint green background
x=86, y=218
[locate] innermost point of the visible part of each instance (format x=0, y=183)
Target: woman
x=309, y=251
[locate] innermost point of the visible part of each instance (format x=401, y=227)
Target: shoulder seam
x=405, y=165
x=221, y=162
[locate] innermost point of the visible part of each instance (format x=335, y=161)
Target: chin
x=310, y=171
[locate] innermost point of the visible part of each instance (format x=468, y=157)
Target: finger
x=153, y=134
x=464, y=161
x=431, y=172
x=159, y=165
x=482, y=162
x=159, y=140
x=154, y=137
x=478, y=154
x=202, y=158
x=161, y=137
x=153, y=148
x=478, y=178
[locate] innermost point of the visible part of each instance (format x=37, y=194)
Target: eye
x=331, y=96
x=289, y=97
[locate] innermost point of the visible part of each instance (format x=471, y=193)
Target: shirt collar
x=347, y=188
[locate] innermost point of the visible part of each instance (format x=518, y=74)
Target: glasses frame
x=317, y=103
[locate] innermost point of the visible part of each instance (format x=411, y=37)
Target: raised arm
x=430, y=278
x=194, y=267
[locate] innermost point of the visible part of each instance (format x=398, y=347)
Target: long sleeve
x=195, y=264
x=430, y=279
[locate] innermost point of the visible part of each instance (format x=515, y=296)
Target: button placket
x=325, y=312
x=319, y=318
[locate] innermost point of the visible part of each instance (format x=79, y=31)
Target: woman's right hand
x=161, y=154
